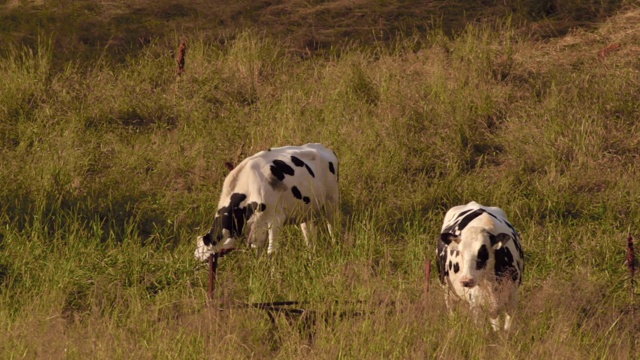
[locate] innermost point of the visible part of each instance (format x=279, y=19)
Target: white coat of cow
x=280, y=186
x=480, y=261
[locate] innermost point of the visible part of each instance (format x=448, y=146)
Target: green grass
x=109, y=173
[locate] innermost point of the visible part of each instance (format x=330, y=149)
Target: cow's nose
x=468, y=283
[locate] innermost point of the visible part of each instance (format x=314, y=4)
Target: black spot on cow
x=448, y=237
x=462, y=214
x=254, y=206
x=208, y=239
x=299, y=163
x=298, y=195
x=296, y=192
x=442, y=261
x=450, y=265
x=505, y=267
x=233, y=217
x=280, y=168
x=469, y=218
x=331, y=168
x=310, y=171
x=483, y=256
x=462, y=220
x=215, y=234
x=456, y=268
x=514, y=236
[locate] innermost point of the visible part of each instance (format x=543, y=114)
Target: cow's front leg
x=332, y=220
x=257, y=237
x=510, y=308
x=449, y=301
x=495, y=323
x=507, y=322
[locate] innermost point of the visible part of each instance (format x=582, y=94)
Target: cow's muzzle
x=468, y=283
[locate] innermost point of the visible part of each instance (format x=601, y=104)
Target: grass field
x=112, y=165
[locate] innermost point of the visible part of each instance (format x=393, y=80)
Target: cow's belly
x=299, y=214
x=479, y=295
x=486, y=295
x=288, y=210
x=284, y=215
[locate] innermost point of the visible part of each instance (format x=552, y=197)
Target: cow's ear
x=447, y=238
x=500, y=240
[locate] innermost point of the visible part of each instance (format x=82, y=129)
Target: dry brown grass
x=116, y=28
x=580, y=47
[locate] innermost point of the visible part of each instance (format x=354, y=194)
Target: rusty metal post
x=427, y=276
x=213, y=269
x=631, y=262
x=180, y=57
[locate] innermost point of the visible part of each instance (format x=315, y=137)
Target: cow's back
x=292, y=180
x=458, y=217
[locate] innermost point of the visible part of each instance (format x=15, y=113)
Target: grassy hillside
x=110, y=171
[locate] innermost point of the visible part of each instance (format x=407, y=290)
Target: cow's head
x=473, y=253
x=228, y=226
x=216, y=240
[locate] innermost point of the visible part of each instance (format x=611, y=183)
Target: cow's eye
x=483, y=256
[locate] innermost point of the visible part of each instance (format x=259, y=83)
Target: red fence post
x=180, y=57
x=427, y=276
x=631, y=264
x=213, y=268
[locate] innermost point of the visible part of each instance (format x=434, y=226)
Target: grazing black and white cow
x=279, y=186
x=480, y=261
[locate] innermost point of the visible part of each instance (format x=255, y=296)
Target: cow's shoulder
x=459, y=217
x=237, y=179
x=495, y=212
x=322, y=152
x=441, y=261
x=508, y=264
x=491, y=218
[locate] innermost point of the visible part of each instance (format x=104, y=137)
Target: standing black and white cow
x=480, y=261
x=280, y=186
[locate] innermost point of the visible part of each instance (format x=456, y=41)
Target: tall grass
x=108, y=175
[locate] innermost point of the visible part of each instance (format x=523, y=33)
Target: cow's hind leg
x=507, y=322
x=274, y=230
x=331, y=215
x=510, y=309
x=495, y=323
x=450, y=300
x=330, y=229
x=309, y=232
